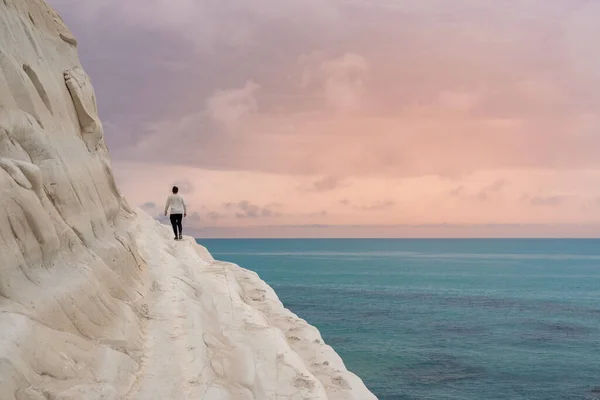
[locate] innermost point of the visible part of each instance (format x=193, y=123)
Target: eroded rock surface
x=69, y=282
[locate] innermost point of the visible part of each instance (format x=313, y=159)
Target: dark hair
x=175, y=189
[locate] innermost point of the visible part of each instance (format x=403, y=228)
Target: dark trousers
x=176, y=223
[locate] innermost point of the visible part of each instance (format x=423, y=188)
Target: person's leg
x=173, y=218
x=180, y=225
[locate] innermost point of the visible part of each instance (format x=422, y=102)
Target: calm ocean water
x=445, y=319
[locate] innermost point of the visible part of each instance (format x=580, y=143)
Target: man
x=178, y=211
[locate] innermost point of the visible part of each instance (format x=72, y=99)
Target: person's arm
x=167, y=205
x=184, y=207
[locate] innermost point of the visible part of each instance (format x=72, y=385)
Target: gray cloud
x=198, y=221
x=379, y=205
x=194, y=217
x=492, y=190
x=488, y=192
x=215, y=216
x=545, y=201
x=148, y=206
x=326, y=184
x=320, y=214
x=247, y=210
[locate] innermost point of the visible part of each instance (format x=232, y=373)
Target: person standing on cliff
x=178, y=211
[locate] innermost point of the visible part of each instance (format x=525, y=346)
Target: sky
x=352, y=118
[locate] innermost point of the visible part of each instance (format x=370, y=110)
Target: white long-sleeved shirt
x=177, y=204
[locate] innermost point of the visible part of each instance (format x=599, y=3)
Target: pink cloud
x=408, y=101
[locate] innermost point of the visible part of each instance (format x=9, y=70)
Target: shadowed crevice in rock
x=68, y=39
x=38, y=86
x=16, y=86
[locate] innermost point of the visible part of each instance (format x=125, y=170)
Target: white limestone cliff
x=96, y=299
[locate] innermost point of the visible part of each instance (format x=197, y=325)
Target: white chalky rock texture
x=96, y=299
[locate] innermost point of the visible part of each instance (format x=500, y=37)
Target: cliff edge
x=96, y=299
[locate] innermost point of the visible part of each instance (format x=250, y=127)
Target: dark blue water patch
x=374, y=314
x=554, y=334
x=461, y=328
x=562, y=329
x=439, y=368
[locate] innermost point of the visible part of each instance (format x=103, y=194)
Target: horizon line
x=395, y=238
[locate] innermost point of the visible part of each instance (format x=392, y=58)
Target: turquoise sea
x=445, y=319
